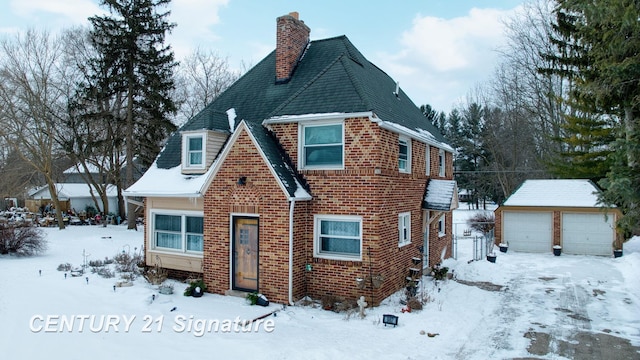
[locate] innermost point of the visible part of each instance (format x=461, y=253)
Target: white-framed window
x=404, y=154
x=404, y=229
x=321, y=145
x=441, y=163
x=337, y=237
x=442, y=230
x=428, y=160
x=182, y=232
x=193, y=150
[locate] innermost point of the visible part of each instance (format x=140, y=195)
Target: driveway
x=573, y=307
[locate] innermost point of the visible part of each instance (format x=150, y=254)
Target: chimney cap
x=295, y=15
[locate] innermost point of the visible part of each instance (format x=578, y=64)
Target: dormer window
x=193, y=151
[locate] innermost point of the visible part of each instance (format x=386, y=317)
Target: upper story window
x=441, y=163
x=404, y=228
x=322, y=146
x=193, y=150
x=338, y=237
x=428, y=159
x=404, y=155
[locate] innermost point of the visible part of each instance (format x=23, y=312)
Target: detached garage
x=544, y=213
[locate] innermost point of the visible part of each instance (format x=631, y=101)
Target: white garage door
x=587, y=234
x=528, y=231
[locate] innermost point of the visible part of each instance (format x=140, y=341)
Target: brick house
x=312, y=170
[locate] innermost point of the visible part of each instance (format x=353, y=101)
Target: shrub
x=440, y=273
x=328, y=301
x=127, y=263
x=252, y=298
x=194, y=284
x=156, y=275
x=483, y=222
x=96, y=263
x=414, y=304
x=64, y=267
x=105, y=272
x=24, y=240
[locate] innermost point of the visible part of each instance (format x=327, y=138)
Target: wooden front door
x=245, y=253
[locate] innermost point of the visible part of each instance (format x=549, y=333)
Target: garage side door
x=528, y=231
x=587, y=234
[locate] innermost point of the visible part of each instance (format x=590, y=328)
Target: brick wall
x=292, y=36
x=370, y=187
x=261, y=196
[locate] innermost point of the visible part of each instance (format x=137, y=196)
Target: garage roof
x=557, y=193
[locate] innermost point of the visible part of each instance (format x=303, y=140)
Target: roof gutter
x=314, y=117
x=164, y=195
x=412, y=134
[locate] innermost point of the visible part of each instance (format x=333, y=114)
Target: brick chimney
x=292, y=38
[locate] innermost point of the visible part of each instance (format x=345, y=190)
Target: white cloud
x=457, y=43
x=68, y=12
x=440, y=60
x=195, y=19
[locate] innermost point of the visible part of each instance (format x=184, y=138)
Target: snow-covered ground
x=493, y=313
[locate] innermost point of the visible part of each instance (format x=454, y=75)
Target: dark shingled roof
x=332, y=76
x=440, y=195
x=275, y=156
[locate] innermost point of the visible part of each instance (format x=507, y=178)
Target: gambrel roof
x=332, y=76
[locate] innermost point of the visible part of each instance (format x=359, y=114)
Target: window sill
x=176, y=252
x=404, y=243
x=337, y=257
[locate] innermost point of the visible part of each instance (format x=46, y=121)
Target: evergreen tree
x=138, y=69
x=598, y=45
x=586, y=146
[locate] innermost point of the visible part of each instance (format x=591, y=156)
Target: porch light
x=390, y=320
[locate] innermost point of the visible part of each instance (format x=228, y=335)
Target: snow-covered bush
x=21, y=239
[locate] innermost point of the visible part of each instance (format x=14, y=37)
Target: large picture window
x=178, y=232
x=338, y=237
x=322, y=146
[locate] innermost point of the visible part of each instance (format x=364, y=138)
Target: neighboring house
x=72, y=196
x=312, y=170
x=544, y=213
x=77, y=173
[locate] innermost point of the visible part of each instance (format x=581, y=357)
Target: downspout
x=291, y=207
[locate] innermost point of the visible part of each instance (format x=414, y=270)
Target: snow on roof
x=168, y=182
x=440, y=195
x=565, y=193
x=71, y=190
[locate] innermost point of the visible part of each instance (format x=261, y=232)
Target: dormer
x=199, y=149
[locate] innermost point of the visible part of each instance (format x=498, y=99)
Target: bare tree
x=528, y=34
x=201, y=77
x=33, y=102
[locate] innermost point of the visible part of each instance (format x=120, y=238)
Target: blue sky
x=438, y=50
